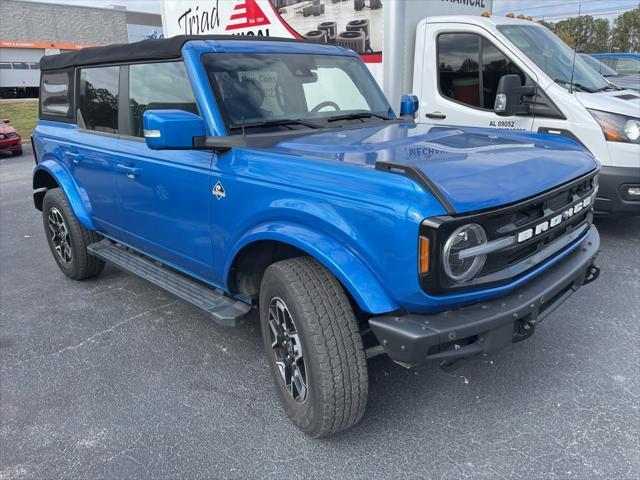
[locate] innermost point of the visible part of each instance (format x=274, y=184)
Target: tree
x=626, y=32
x=584, y=33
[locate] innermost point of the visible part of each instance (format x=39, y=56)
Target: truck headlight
x=463, y=268
x=618, y=128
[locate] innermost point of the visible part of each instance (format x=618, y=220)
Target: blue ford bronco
x=242, y=174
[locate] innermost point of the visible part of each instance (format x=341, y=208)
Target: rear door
x=92, y=153
x=164, y=194
x=462, y=69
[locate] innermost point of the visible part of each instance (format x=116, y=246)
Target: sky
x=551, y=10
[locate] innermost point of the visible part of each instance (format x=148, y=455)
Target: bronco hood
x=470, y=168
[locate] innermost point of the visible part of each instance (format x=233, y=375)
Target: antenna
x=575, y=48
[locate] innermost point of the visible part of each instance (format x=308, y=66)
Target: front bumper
x=10, y=144
x=611, y=199
x=486, y=327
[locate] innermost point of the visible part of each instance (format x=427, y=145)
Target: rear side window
x=158, y=86
x=98, y=99
x=56, y=95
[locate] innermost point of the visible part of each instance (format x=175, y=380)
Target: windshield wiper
x=273, y=123
x=575, y=85
x=356, y=116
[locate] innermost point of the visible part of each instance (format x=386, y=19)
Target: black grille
x=509, y=263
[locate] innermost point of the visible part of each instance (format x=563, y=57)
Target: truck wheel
x=313, y=346
x=68, y=240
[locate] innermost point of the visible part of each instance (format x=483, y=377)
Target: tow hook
x=523, y=329
x=593, y=272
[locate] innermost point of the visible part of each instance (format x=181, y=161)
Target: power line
x=560, y=4
x=592, y=13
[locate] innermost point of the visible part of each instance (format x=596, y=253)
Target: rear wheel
x=16, y=153
x=68, y=239
x=313, y=346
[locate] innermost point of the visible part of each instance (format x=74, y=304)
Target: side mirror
x=171, y=129
x=409, y=106
x=509, y=97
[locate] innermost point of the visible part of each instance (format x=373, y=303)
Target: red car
x=10, y=141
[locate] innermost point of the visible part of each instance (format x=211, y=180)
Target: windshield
x=287, y=90
x=554, y=57
x=598, y=66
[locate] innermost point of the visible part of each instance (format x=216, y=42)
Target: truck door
x=462, y=67
x=165, y=194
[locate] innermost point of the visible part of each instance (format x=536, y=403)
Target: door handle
x=129, y=171
x=74, y=157
x=436, y=115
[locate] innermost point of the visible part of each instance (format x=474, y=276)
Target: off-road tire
x=82, y=265
x=336, y=366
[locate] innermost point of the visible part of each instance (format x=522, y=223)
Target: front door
x=465, y=67
x=165, y=195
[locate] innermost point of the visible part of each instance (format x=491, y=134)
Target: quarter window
x=98, y=108
x=470, y=68
x=158, y=86
x=54, y=94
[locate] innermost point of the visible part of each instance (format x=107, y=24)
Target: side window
x=98, y=108
x=494, y=65
x=608, y=61
x=628, y=65
x=55, y=98
x=470, y=68
x=459, y=67
x=157, y=86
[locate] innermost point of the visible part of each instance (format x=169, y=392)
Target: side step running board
x=224, y=310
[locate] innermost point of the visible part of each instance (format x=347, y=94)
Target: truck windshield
x=276, y=91
x=554, y=57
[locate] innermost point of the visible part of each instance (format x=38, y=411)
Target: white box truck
x=458, y=60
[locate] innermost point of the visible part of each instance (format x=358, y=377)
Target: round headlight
x=632, y=129
x=463, y=269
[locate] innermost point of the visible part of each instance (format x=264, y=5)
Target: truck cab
x=460, y=62
x=274, y=177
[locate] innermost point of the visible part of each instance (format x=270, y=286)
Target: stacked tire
x=353, y=40
x=364, y=27
x=316, y=36
x=330, y=29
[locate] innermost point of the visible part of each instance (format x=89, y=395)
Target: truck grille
x=542, y=227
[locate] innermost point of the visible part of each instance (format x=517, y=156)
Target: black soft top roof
x=156, y=49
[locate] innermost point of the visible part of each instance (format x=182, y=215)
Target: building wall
x=61, y=23
x=62, y=26
x=22, y=77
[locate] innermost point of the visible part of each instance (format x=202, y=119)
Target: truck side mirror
x=409, y=106
x=509, y=97
x=171, y=129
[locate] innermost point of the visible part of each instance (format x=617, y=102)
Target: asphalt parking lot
x=111, y=378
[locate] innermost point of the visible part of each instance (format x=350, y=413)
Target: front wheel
x=313, y=347
x=68, y=239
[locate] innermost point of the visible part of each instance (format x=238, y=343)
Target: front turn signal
x=424, y=255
